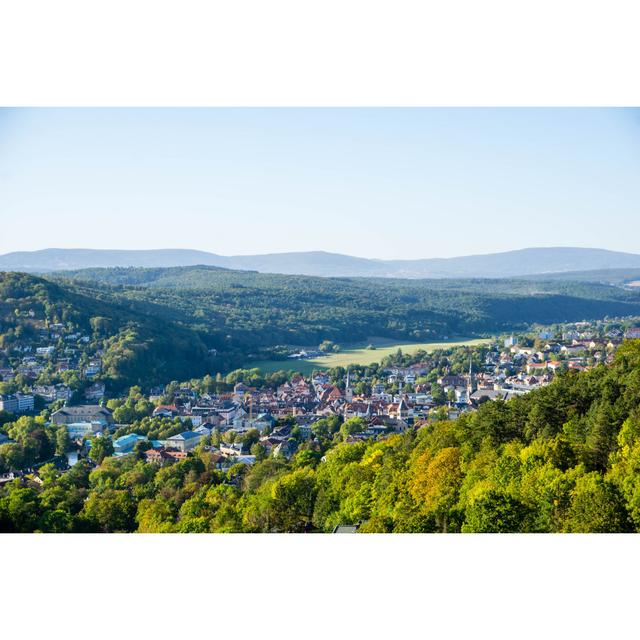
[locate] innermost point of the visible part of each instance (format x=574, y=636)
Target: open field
x=359, y=354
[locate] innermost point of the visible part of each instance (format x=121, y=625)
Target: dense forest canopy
x=263, y=309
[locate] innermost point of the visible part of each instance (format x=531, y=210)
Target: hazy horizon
x=354, y=255
x=367, y=182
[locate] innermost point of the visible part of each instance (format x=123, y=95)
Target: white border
x=334, y=52
x=319, y=53
x=315, y=586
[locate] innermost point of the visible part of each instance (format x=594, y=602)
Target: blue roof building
x=124, y=445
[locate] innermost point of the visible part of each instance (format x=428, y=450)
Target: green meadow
x=359, y=354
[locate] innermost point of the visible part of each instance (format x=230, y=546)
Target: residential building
x=18, y=403
x=95, y=392
x=79, y=430
x=125, y=444
x=184, y=441
x=25, y=402
x=163, y=456
x=83, y=413
x=9, y=403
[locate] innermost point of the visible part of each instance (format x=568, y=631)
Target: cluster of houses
x=399, y=401
x=402, y=398
x=55, y=349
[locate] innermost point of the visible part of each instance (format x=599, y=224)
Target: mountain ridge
x=508, y=264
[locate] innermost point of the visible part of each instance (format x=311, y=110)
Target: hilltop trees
x=435, y=483
x=596, y=507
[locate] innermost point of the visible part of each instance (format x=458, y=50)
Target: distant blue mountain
x=522, y=262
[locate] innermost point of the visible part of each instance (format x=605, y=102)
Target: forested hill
x=155, y=325
x=137, y=346
x=248, y=309
x=564, y=458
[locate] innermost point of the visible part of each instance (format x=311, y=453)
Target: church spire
x=348, y=391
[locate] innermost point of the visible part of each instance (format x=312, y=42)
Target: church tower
x=471, y=386
x=348, y=391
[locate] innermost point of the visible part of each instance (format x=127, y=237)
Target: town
x=246, y=416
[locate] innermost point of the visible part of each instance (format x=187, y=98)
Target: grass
x=359, y=354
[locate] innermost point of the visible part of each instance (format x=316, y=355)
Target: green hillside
x=245, y=311
x=137, y=347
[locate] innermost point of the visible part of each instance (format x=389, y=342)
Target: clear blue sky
x=387, y=183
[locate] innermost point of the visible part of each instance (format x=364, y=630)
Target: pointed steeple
x=348, y=391
x=470, y=381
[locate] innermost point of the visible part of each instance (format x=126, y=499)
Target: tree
x=437, y=393
x=250, y=438
x=155, y=515
x=602, y=432
x=100, y=326
x=101, y=448
x=293, y=499
x=140, y=447
x=259, y=451
x=63, y=442
x=353, y=425
x=23, y=507
x=495, y=512
x=110, y=510
x=56, y=521
x=48, y=473
x=625, y=467
x=326, y=346
x=596, y=507
x=436, y=482
x=12, y=455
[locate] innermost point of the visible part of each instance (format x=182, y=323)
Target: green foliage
x=495, y=512
x=153, y=325
x=139, y=345
x=134, y=407
x=62, y=440
x=110, y=510
x=242, y=313
x=596, y=507
x=101, y=448
x=34, y=442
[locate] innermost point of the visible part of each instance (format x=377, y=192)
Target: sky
x=371, y=182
